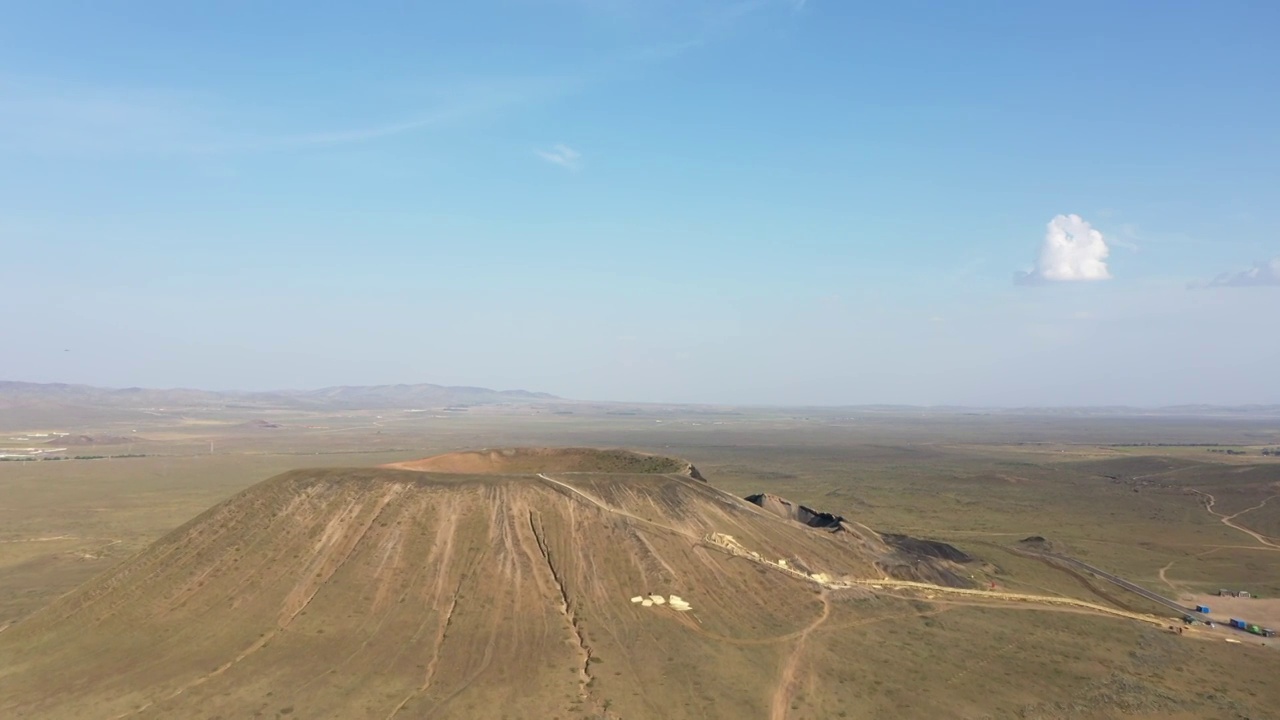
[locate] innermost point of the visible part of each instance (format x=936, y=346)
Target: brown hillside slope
x=351, y=593
x=385, y=593
x=901, y=556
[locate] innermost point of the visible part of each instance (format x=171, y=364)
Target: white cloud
x=562, y=155
x=1072, y=251
x=1266, y=272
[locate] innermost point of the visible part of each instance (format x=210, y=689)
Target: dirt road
x=1229, y=520
x=787, y=680
x=1012, y=597
x=1120, y=582
x=887, y=583
x=880, y=583
x=609, y=508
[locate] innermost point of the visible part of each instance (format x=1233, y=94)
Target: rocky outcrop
x=900, y=556
x=784, y=508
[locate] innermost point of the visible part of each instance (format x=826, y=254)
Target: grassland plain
x=1090, y=486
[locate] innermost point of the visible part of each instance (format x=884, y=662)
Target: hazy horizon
x=623, y=401
x=760, y=202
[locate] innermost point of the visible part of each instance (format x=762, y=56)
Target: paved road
x=1121, y=582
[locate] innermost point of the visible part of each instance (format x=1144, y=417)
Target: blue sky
x=733, y=201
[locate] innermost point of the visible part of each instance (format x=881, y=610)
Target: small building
x=1243, y=594
x=1224, y=593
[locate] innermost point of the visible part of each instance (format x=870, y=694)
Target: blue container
x=1202, y=608
x=1237, y=623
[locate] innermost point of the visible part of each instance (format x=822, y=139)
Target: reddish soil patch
x=519, y=461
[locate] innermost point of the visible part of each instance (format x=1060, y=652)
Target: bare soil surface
x=387, y=593
x=553, y=460
x=1260, y=611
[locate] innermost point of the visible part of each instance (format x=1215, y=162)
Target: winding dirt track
x=1011, y=597
x=787, y=680
x=893, y=584
x=609, y=508
x=890, y=583
x=1228, y=520
x=789, y=673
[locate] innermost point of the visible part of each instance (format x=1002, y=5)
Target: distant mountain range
x=423, y=395
x=426, y=395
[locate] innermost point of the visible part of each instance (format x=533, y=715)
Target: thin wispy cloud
x=633, y=9
x=1072, y=251
x=666, y=51
x=562, y=155
x=329, y=137
x=51, y=116
x=794, y=5
x=1262, y=273
x=39, y=116
x=461, y=103
x=42, y=116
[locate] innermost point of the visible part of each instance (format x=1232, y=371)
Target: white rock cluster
x=675, y=602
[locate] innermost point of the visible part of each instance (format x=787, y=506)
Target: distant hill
x=37, y=396
x=415, y=395
x=81, y=440
x=25, y=394
x=387, y=593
